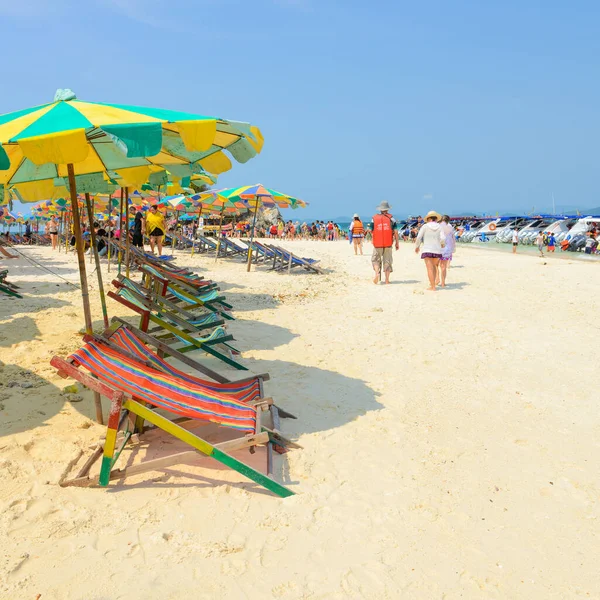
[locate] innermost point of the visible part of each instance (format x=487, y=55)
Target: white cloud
x=427, y=196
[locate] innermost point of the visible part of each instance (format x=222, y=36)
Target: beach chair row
x=179, y=312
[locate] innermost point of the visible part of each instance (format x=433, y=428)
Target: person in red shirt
x=385, y=235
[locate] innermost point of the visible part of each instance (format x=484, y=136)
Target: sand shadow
x=24, y=329
x=459, y=285
x=28, y=401
x=256, y=335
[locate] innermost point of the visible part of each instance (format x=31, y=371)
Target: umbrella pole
x=219, y=240
x=127, y=232
x=109, y=232
x=120, y=232
x=90, y=209
x=79, y=247
x=252, y=237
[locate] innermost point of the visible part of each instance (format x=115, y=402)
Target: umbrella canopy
x=258, y=195
x=254, y=197
x=130, y=143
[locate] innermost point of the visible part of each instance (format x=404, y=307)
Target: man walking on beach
x=385, y=234
x=515, y=240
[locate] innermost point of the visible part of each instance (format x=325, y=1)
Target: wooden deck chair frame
x=290, y=260
x=193, y=294
x=122, y=402
x=163, y=350
x=180, y=331
x=158, y=302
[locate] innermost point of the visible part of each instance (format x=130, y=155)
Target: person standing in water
x=155, y=228
x=448, y=249
x=539, y=240
x=357, y=234
x=433, y=239
x=385, y=235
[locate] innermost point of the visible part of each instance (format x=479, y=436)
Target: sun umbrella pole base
x=220, y=234
x=249, y=265
x=88, y=203
x=79, y=248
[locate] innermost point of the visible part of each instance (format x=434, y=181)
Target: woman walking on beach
x=357, y=233
x=515, y=240
x=433, y=239
x=155, y=227
x=53, y=231
x=448, y=249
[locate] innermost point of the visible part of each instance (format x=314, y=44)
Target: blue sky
x=453, y=105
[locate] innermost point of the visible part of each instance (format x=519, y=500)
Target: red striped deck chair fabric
x=163, y=390
x=244, y=391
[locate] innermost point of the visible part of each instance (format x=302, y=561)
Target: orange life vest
x=383, y=236
x=358, y=228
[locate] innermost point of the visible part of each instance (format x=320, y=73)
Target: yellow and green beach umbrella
x=132, y=143
x=84, y=145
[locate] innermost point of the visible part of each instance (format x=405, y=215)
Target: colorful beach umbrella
x=83, y=145
x=134, y=143
x=257, y=196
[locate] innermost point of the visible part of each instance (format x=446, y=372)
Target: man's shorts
x=383, y=255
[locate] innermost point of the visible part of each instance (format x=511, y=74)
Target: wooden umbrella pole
x=79, y=247
x=219, y=240
x=108, y=233
x=120, y=232
x=174, y=232
x=89, y=205
x=252, y=236
x=194, y=235
x=127, y=232
x=90, y=211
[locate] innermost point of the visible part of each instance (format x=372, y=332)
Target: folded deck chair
x=203, y=318
x=187, y=290
x=7, y=288
x=175, y=330
x=135, y=388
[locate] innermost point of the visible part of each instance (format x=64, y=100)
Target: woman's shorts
x=430, y=255
x=156, y=232
x=446, y=256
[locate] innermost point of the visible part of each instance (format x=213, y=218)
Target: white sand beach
x=450, y=441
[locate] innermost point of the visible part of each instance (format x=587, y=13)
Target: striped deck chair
x=173, y=329
x=134, y=343
x=135, y=388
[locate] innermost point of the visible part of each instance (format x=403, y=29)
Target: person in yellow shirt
x=155, y=228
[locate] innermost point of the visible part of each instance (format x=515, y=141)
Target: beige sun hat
x=384, y=206
x=431, y=214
